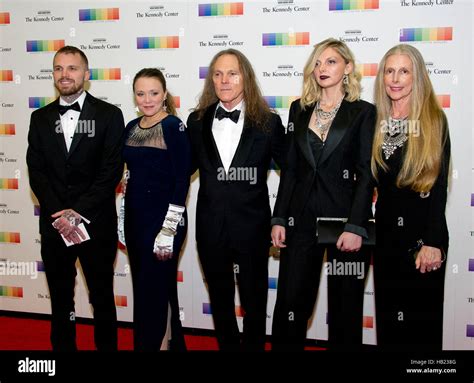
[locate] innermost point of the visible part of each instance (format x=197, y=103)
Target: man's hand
x=66, y=224
x=278, y=236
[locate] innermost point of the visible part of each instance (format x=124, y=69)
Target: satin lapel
x=54, y=120
x=338, y=129
x=208, y=139
x=244, y=146
x=301, y=135
x=86, y=118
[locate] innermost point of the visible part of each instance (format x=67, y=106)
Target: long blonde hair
x=257, y=110
x=423, y=150
x=311, y=89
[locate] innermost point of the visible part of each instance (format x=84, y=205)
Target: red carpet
x=33, y=334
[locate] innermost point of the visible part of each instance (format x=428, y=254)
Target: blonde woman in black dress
x=411, y=155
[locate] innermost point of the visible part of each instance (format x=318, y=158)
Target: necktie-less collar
x=64, y=108
x=222, y=113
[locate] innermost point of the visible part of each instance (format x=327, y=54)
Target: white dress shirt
x=227, y=134
x=70, y=118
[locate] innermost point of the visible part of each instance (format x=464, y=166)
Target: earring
x=345, y=79
x=165, y=109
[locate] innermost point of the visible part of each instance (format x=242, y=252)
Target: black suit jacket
x=342, y=175
x=232, y=209
x=83, y=179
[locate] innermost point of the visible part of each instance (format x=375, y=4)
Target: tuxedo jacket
x=83, y=179
x=341, y=178
x=234, y=208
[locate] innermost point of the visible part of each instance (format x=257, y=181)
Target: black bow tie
x=222, y=113
x=64, y=108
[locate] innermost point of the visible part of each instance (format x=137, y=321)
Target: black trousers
x=409, y=304
x=298, y=283
x=97, y=258
x=251, y=270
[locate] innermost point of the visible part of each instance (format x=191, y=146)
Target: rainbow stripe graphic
x=278, y=39
x=119, y=188
x=39, y=102
x=7, y=129
x=40, y=266
x=470, y=330
x=272, y=283
x=4, y=17
x=206, y=308
x=121, y=300
x=221, y=9
x=368, y=70
x=273, y=165
x=239, y=311
x=44, y=45
x=203, y=71
x=99, y=14
x=352, y=5
x=8, y=183
x=426, y=34
x=105, y=74
x=179, y=276
x=177, y=101
x=7, y=237
x=11, y=291
x=444, y=100
x=471, y=264
x=6, y=75
x=280, y=102
x=158, y=42
x=368, y=322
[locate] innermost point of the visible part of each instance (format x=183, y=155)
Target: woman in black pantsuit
x=411, y=155
x=327, y=174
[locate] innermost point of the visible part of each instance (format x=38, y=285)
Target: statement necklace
x=395, y=136
x=326, y=116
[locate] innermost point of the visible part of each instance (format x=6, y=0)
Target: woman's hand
x=163, y=246
x=278, y=236
x=349, y=242
x=429, y=258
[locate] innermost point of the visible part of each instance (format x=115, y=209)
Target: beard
x=69, y=90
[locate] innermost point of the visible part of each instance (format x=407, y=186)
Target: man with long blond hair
x=234, y=136
x=411, y=156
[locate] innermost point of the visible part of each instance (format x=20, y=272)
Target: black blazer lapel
x=54, y=121
x=301, y=135
x=338, y=128
x=208, y=139
x=244, y=146
x=86, y=117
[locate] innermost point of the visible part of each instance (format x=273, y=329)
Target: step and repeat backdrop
x=180, y=38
